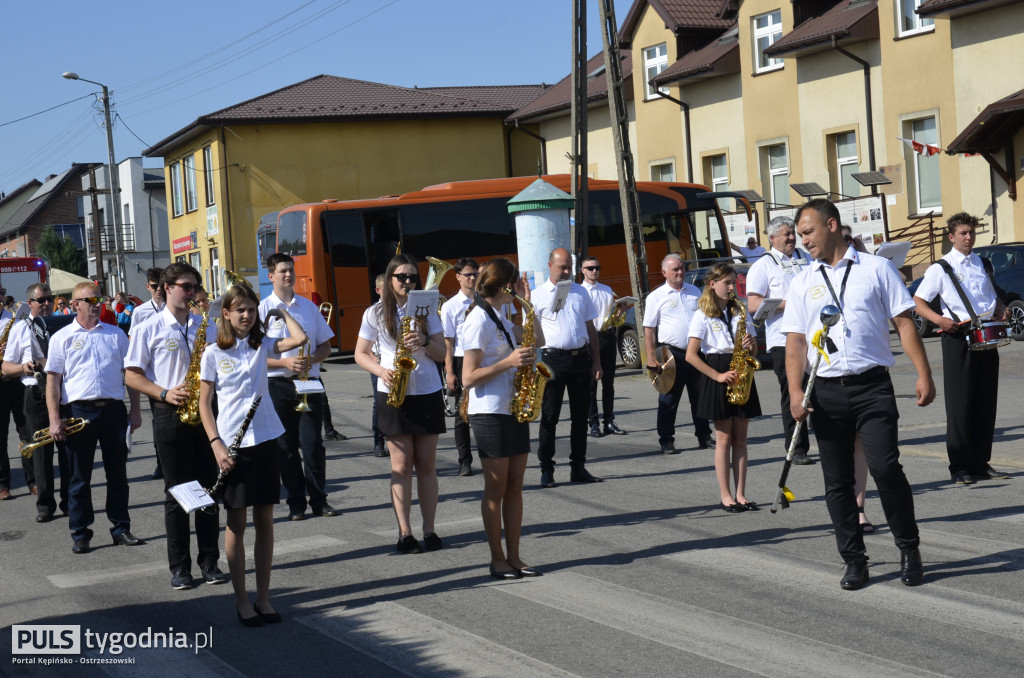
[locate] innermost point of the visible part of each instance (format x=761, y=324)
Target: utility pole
x=580, y=190
x=97, y=246
x=636, y=250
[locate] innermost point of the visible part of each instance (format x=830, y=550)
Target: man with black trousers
x=604, y=301
x=453, y=314
x=571, y=351
x=963, y=281
x=853, y=394
x=12, y=405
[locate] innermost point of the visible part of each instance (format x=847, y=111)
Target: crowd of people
x=233, y=415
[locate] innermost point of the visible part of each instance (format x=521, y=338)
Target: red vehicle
x=16, y=274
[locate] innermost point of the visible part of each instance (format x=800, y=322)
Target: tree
x=62, y=253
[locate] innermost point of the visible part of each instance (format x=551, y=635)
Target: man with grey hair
x=667, y=322
x=769, y=278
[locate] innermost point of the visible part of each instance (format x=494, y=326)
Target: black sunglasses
x=153, y=286
x=470, y=274
x=42, y=300
x=188, y=288
x=406, y=277
x=591, y=268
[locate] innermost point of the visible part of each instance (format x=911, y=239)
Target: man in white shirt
x=12, y=405
x=604, y=300
x=667, y=316
x=143, y=312
x=304, y=472
x=853, y=394
x=453, y=314
x=571, y=351
x=752, y=251
x=970, y=378
x=85, y=371
x=769, y=278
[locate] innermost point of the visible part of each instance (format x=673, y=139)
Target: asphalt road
x=643, y=574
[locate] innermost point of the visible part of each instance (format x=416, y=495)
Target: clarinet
x=236, y=444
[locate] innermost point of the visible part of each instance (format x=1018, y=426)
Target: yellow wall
x=602, y=160
x=660, y=136
x=716, y=124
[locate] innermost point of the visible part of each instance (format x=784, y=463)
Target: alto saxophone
x=530, y=380
x=188, y=409
x=744, y=364
x=404, y=364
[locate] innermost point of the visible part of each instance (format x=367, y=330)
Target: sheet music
x=561, y=294
x=191, y=496
x=767, y=309
x=303, y=386
x=422, y=303
x=896, y=252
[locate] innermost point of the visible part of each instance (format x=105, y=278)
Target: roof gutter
x=686, y=130
x=867, y=105
x=543, y=147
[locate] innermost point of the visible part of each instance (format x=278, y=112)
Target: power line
x=117, y=116
x=47, y=110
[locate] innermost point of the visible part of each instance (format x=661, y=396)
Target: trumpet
x=42, y=436
x=303, y=405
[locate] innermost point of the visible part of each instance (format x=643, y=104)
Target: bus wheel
x=629, y=349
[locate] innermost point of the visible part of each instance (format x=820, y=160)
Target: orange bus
x=340, y=247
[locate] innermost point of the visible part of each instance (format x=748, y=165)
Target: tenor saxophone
x=188, y=409
x=744, y=364
x=530, y=380
x=404, y=365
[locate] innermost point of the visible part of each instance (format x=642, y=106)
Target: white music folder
x=191, y=496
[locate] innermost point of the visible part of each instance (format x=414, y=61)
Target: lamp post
x=115, y=188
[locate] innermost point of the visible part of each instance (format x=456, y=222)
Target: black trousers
x=462, y=439
x=864, y=406
x=668, y=403
x=608, y=347
x=971, y=383
x=107, y=425
x=303, y=458
x=185, y=454
x=37, y=417
x=12, y=406
x=572, y=373
x=788, y=423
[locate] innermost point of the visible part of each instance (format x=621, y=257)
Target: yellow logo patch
x=172, y=344
x=716, y=326
x=226, y=365
x=77, y=344
x=816, y=292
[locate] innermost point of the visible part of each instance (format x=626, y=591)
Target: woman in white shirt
x=412, y=429
x=712, y=330
x=488, y=369
x=235, y=368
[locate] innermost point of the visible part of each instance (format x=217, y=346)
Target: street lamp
x=115, y=188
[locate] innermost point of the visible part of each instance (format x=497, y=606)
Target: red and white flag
x=919, y=148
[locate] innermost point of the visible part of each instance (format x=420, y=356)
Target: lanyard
x=842, y=289
x=727, y=317
x=184, y=336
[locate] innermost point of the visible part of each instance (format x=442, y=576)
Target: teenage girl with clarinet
x=235, y=368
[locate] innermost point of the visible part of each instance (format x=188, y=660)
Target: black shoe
x=326, y=511
x=911, y=570
x=126, y=538
x=528, y=572
x=44, y=516
x=705, y=442
x=268, y=617
x=856, y=575
x=380, y=452
x=611, y=429
x=334, y=435
x=505, y=576
x=962, y=478
x=669, y=448
x=181, y=580
x=81, y=546
x=158, y=474
x=733, y=508
x=212, y=574
x=750, y=506
x=432, y=542
x=802, y=459
x=582, y=475
x=547, y=479
x=989, y=473
x=296, y=516
x=408, y=544
x=251, y=622
x=465, y=470
x=595, y=430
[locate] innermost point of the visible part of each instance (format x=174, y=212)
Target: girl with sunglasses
x=412, y=429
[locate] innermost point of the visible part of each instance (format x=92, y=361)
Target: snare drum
x=989, y=335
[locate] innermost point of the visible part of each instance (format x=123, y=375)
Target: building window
x=177, y=203
x=208, y=173
x=663, y=171
x=191, y=196
x=767, y=31
x=196, y=260
x=775, y=160
x=718, y=167
x=926, y=182
x=843, y=164
x=655, y=61
x=909, y=22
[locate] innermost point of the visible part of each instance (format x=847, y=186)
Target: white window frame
x=656, y=60
x=845, y=161
x=719, y=182
x=777, y=172
x=191, y=189
x=177, y=201
x=773, y=32
x=208, y=174
x=918, y=158
x=659, y=165
x=906, y=9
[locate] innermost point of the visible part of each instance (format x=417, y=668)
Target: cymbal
x=663, y=380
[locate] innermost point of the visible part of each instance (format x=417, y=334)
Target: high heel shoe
x=506, y=576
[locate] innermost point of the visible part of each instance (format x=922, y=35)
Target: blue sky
x=172, y=62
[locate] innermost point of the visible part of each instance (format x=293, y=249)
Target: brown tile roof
x=331, y=98
x=719, y=58
x=993, y=128
x=954, y=7
x=559, y=97
x=677, y=14
x=849, y=21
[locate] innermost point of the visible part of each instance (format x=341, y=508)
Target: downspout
x=686, y=131
x=543, y=147
x=227, y=204
x=867, y=104
x=152, y=240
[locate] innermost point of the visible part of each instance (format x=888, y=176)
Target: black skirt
x=255, y=479
x=418, y=415
x=499, y=435
x=711, y=402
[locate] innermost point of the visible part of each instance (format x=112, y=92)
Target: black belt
x=98, y=402
x=566, y=351
x=160, y=405
x=874, y=374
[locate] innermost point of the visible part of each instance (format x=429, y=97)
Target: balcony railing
x=107, y=240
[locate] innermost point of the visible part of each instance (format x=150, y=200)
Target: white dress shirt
x=714, y=336
x=603, y=299
x=144, y=311
x=424, y=379
x=163, y=347
x=23, y=347
x=972, y=276
x=238, y=374
x=90, y=361
x=671, y=311
x=565, y=329
x=480, y=332
x=751, y=253
x=770, y=276
x=453, y=315
x=304, y=312
x=874, y=294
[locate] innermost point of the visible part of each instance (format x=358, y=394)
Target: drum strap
x=959, y=290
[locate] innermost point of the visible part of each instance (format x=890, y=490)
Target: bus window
x=291, y=234
x=449, y=230
x=345, y=238
x=606, y=228
x=383, y=236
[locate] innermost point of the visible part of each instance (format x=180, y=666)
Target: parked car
x=1008, y=271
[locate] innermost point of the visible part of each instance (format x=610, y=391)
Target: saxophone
x=404, y=364
x=7, y=334
x=742, y=362
x=188, y=410
x=529, y=381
